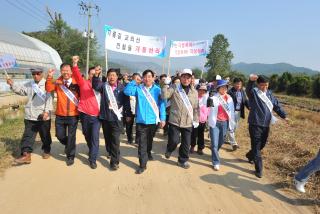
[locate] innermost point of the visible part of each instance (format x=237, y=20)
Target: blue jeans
x=312, y=167
x=217, y=135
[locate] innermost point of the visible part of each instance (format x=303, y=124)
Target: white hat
x=218, y=77
x=186, y=71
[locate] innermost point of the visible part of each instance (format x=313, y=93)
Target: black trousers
x=112, y=131
x=66, y=128
x=174, y=140
x=31, y=128
x=129, y=128
x=197, y=136
x=259, y=136
x=145, y=135
x=91, y=130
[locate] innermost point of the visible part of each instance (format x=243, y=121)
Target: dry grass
x=290, y=147
x=10, y=135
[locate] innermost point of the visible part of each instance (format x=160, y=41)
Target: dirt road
x=49, y=186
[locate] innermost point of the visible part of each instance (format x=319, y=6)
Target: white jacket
x=213, y=113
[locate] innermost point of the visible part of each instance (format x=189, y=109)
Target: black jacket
x=244, y=103
x=259, y=113
x=105, y=112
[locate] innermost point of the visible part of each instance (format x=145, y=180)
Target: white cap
x=218, y=77
x=186, y=71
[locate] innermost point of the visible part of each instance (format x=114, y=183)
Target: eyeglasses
x=36, y=73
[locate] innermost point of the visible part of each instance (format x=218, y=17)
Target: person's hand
x=128, y=119
x=50, y=72
x=287, y=120
x=195, y=124
x=162, y=124
x=46, y=116
x=75, y=60
x=167, y=80
x=10, y=82
x=253, y=77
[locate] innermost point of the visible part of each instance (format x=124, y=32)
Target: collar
x=69, y=81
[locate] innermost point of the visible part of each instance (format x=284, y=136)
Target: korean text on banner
x=130, y=43
x=7, y=61
x=188, y=48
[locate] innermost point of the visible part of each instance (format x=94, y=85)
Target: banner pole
x=169, y=60
x=106, y=52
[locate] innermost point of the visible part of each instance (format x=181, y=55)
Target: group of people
x=179, y=106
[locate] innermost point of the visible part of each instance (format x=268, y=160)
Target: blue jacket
x=144, y=111
x=105, y=112
x=259, y=113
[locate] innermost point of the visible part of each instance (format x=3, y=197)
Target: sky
x=258, y=31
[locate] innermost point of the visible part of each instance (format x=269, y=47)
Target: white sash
x=113, y=101
x=225, y=106
x=98, y=97
x=69, y=94
x=186, y=101
x=41, y=94
x=268, y=102
x=152, y=102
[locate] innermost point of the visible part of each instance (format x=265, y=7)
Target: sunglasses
x=36, y=73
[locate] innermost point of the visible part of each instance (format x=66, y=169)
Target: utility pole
x=86, y=9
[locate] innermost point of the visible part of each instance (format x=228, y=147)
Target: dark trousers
x=31, y=128
x=90, y=130
x=112, y=131
x=66, y=128
x=174, y=140
x=258, y=136
x=145, y=135
x=197, y=136
x=129, y=128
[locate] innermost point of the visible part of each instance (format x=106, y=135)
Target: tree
x=300, y=85
x=284, y=81
x=273, y=81
x=66, y=40
x=316, y=86
x=219, y=57
x=197, y=73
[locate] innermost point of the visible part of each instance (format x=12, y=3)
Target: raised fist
x=253, y=77
x=50, y=72
x=75, y=60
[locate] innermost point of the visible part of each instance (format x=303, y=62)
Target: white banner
x=188, y=48
x=129, y=43
x=7, y=61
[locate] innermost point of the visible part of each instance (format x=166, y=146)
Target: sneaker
x=45, y=155
x=70, y=161
x=216, y=167
x=167, y=155
x=114, y=167
x=140, y=170
x=93, y=165
x=184, y=165
x=258, y=174
x=299, y=186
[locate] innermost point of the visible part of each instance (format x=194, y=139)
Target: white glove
x=167, y=81
x=195, y=124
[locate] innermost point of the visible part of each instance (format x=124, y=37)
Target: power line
x=33, y=9
x=25, y=11
x=36, y=9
